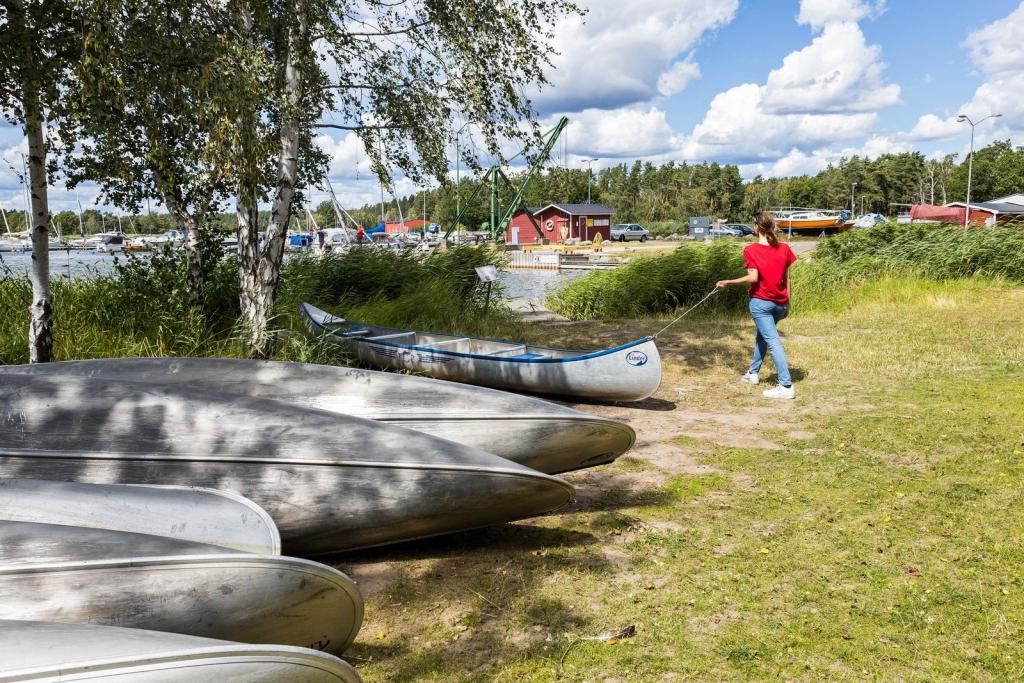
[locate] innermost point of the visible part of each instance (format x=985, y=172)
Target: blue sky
x=780, y=87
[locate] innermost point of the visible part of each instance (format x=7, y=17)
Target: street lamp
x=590, y=176
x=970, y=159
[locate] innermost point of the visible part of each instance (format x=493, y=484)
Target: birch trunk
x=259, y=266
x=193, y=259
x=40, y=329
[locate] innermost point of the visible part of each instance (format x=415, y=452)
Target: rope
x=688, y=311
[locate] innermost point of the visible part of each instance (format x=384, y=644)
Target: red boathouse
x=560, y=222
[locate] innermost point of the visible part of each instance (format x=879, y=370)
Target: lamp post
x=970, y=160
x=590, y=176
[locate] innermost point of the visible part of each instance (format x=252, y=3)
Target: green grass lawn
x=872, y=529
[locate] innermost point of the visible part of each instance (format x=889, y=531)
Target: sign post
x=488, y=274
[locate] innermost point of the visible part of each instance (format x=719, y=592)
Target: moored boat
x=330, y=482
x=184, y=513
x=50, y=653
x=69, y=574
x=630, y=372
x=539, y=434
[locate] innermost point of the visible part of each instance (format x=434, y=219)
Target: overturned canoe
x=630, y=372
x=48, y=653
x=70, y=574
x=330, y=482
x=539, y=434
x=184, y=513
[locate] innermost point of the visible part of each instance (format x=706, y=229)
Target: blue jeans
x=766, y=314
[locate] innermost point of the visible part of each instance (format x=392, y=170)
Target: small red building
x=407, y=226
x=560, y=222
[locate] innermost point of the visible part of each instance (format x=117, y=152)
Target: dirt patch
x=373, y=577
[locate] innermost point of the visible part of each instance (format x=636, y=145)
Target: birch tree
x=39, y=48
x=402, y=75
x=142, y=110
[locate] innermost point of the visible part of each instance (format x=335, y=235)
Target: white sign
x=487, y=273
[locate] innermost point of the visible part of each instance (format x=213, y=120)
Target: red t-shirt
x=771, y=263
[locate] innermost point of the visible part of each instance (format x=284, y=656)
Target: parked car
x=629, y=231
x=742, y=229
x=724, y=231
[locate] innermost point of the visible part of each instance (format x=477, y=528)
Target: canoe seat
x=354, y=333
x=528, y=356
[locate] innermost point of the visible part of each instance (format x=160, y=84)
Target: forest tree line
x=645, y=192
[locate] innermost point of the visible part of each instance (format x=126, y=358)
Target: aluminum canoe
x=50, y=572
x=630, y=372
x=184, y=513
x=330, y=482
x=539, y=434
x=43, y=652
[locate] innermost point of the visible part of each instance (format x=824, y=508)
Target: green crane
x=495, y=179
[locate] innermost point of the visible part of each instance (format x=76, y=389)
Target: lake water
x=532, y=285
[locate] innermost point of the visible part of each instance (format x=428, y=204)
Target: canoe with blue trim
x=542, y=435
x=630, y=372
x=50, y=653
x=330, y=482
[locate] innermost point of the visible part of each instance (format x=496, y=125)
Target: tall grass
x=829, y=281
x=653, y=284
x=141, y=309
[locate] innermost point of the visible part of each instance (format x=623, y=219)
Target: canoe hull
x=49, y=652
x=330, y=482
x=544, y=436
x=631, y=372
x=627, y=374
x=209, y=593
x=184, y=513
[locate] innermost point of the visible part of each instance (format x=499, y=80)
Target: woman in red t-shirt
x=768, y=262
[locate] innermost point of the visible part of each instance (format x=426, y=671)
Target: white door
x=515, y=235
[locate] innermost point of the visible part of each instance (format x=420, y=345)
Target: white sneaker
x=780, y=392
x=750, y=378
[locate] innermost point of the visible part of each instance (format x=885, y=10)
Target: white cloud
x=678, y=76
x=617, y=55
x=837, y=72
x=819, y=13
x=629, y=132
x=998, y=51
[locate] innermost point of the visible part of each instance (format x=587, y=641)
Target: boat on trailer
x=330, y=482
x=544, y=436
x=630, y=372
x=69, y=574
x=808, y=221
x=184, y=513
x=44, y=652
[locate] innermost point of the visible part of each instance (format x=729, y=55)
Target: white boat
x=539, y=434
x=68, y=574
x=58, y=653
x=330, y=482
x=630, y=372
x=184, y=513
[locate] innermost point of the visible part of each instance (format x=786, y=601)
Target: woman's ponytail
x=765, y=223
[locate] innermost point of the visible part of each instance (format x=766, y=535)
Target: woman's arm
x=748, y=279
